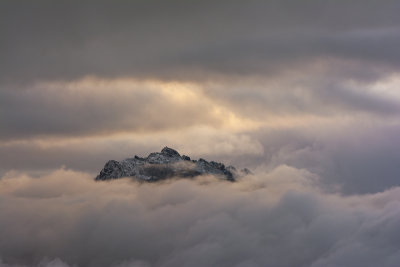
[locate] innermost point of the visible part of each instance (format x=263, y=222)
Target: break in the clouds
x=273, y=218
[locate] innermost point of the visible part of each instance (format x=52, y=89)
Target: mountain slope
x=166, y=164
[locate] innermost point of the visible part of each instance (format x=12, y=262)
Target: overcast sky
x=288, y=88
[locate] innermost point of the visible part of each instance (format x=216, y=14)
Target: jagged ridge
x=166, y=164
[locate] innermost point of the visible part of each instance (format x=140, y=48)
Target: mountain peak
x=166, y=164
x=169, y=151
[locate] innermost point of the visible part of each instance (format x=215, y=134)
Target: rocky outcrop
x=166, y=164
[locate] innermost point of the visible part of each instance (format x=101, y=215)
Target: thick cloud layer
x=306, y=93
x=276, y=218
x=71, y=39
x=96, y=107
x=343, y=130
x=82, y=82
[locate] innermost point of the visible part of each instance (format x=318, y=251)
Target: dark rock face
x=166, y=164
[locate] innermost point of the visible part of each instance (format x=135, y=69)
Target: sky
x=304, y=93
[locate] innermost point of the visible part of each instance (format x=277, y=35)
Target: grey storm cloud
x=319, y=47
x=321, y=90
x=186, y=40
x=275, y=218
x=354, y=148
x=54, y=110
x=304, y=93
x=348, y=159
x=311, y=51
x=95, y=106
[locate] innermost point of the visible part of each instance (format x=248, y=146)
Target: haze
x=304, y=93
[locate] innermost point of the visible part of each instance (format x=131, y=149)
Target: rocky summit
x=167, y=164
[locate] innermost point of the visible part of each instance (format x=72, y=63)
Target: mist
x=272, y=218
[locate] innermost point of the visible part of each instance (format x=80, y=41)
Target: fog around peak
x=67, y=218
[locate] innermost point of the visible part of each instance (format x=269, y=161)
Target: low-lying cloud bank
x=273, y=218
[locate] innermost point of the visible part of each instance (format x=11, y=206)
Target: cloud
x=321, y=89
x=342, y=130
x=258, y=221
x=90, y=153
x=70, y=40
x=100, y=81
x=94, y=106
x=43, y=263
x=306, y=94
x=351, y=157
